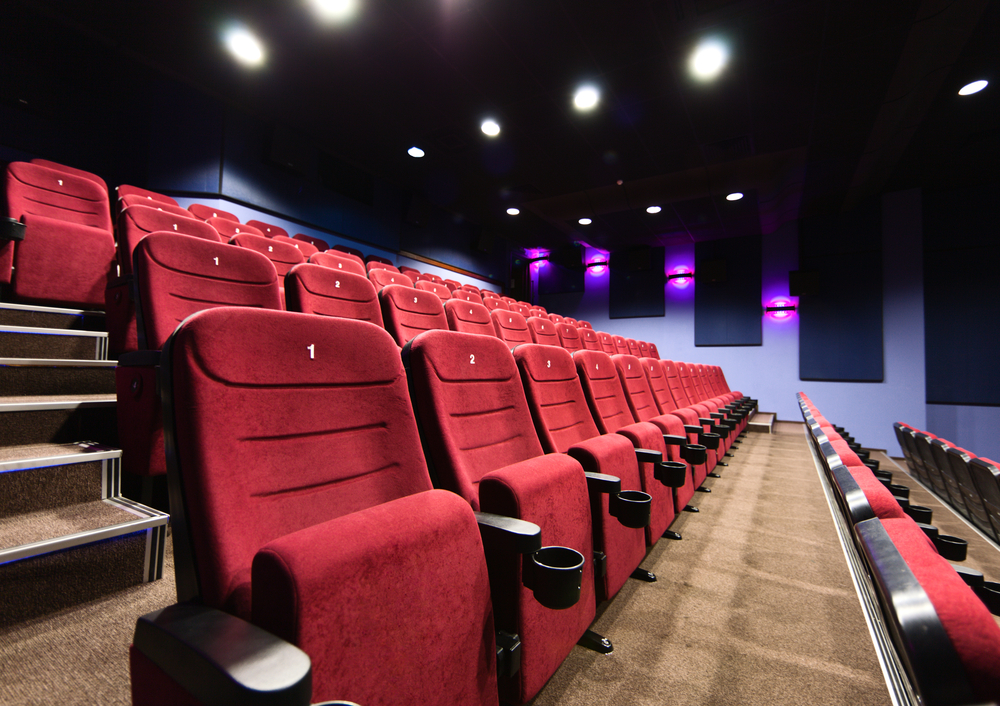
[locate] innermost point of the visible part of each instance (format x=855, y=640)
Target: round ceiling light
x=335, y=10
x=653, y=209
x=490, y=127
x=586, y=98
x=415, y=152
x=735, y=196
x=245, y=47
x=513, y=211
x=974, y=87
x=585, y=221
x=708, y=59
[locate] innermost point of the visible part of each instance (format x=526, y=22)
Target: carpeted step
x=40, y=477
x=58, y=419
x=48, y=343
x=51, y=317
x=38, y=376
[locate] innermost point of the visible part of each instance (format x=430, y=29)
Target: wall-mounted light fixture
x=598, y=266
x=780, y=310
x=681, y=277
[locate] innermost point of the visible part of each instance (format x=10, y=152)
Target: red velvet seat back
x=607, y=343
x=673, y=379
x=621, y=346
x=318, y=243
x=643, y=349
x=267, y=229
x=228, y=229
x=469, y=317
x=353, y=252
x=471, y=406
x=684, y=374
x=407, y=312
x=410, y=272
x=603, y=390
x=129, y=200
x=176, y=277
x=137, y=193
x=556, y=318
x=568, y=320
x=537, y=311
x=653, y=353
x=136, y=222
x=204, y=212
x=522, y=309
x=307, y=249
x=543, y=331
x=658, y=384
x=471, y=288
x=379, y=265
x=72, y=170
x=452, y=285
x=283, y=256
x=569, y=338
x=336, y=260
x=637, y=391
x=510, y=327
x=35, y=190
x=312, y=289
x=442, y=291
x=584, y=324
x=589, y=339
x=429, y=277
x=466, y=295
x=496, y=303
x=633, y=347
x=383, y=278
x=344, y=439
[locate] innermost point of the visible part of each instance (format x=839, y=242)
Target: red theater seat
x=584, y=324
x=230, y=229
x=555, y=318
x=466, y=295
x=383, y=278
x=307, y=249
x=268, y=230
x=312, y=289
x=469, y=317
x=510, y=327
x=607, y=342
x=336, y=260
x=543, y=331
x=442, y=292
x=569, y=338
x=350, y=251
x=203, y=212
x=409, y=272
x=590, y=339
x=282, y=255
x=407, y=312
x=522, y=309
x=621, y=346
x=496, y=303
x=380, y=265
x=318, y=243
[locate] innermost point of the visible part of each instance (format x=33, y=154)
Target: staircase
x=67, y=534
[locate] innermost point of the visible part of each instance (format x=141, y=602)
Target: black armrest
x=648, y=456
x=221, y=659
x=510, y=533
x=602, y=483
x=716, y=415
x=11, y=229
x=671, y=440
x=139, y=359
x=692, y=429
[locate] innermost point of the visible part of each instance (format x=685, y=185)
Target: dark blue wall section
x=840, y=326
x=961, y=300
x=446, y=237
x=728, y=312
x=185, y=144
x=636, y=287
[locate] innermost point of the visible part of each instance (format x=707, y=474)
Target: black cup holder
x=631, y=507
x=554, y=575
x=901, y=491
x=672, y=474
x=951, y=548
x=920, y=513
x=695, y=454
x=710, y=440
x=989, y=593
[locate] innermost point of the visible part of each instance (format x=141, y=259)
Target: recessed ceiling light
x=415, y=152
x=244, y=46
x=513, y=211
x=490, y=127
x=653, y=209
x=335, y=10
x=735, y=196
x=708, y=59
x=586, y=97
x=974, y=87
x=585, y=221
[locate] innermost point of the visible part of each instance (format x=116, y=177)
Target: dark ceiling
x=823, y=103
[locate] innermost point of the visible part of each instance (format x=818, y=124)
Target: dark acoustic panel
x=961, y=315
x=636, y=285
x=727, y=308
x=556, y=279
x=840, y=321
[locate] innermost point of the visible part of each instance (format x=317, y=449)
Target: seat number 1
x=312, y=351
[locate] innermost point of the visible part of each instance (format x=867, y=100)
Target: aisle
x=754, y=606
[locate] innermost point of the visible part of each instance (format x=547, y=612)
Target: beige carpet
x=754, y=606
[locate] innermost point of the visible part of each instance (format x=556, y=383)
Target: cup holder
x=554, y=575
x=631, y=507
x=695, y=454
x=710, y=440
x=989, y=593
x=920, y=513
x=901, y=491
x=672, y=474
x=951, y=548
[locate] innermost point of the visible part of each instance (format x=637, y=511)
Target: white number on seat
x=270, y=248
x=312, y=351
x=472, y=359
x=414, y=300
x=340, y=266
x=216, y=260
x=337, y=284
x=548, y=364
x=60, y=182
x=175, y=226
x=597, y=366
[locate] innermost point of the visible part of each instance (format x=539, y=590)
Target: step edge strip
x=56, y=363
x=68, y=541
x=53, y=406
x=51, y=309
x=79, y=333
x=27, y=464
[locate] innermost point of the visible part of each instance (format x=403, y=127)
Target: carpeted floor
x=754, y=606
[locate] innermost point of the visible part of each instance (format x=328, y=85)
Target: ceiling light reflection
x=974, y=87
x=586, y=98
x=244, y=46
x=490, y=127
x=708, y=59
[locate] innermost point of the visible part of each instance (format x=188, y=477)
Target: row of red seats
x=937, y=614
x=320, y=525
x=970, y=484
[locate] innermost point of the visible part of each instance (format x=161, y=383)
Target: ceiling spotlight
x=513, y=211
x=709, y=59
x=974, y=87
x=735, y=196
x=334, y=10
x=586, y=98
x=585, y=221
x=244, y=46
x=490, y=127
x=415, y=152
x=653, y=209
